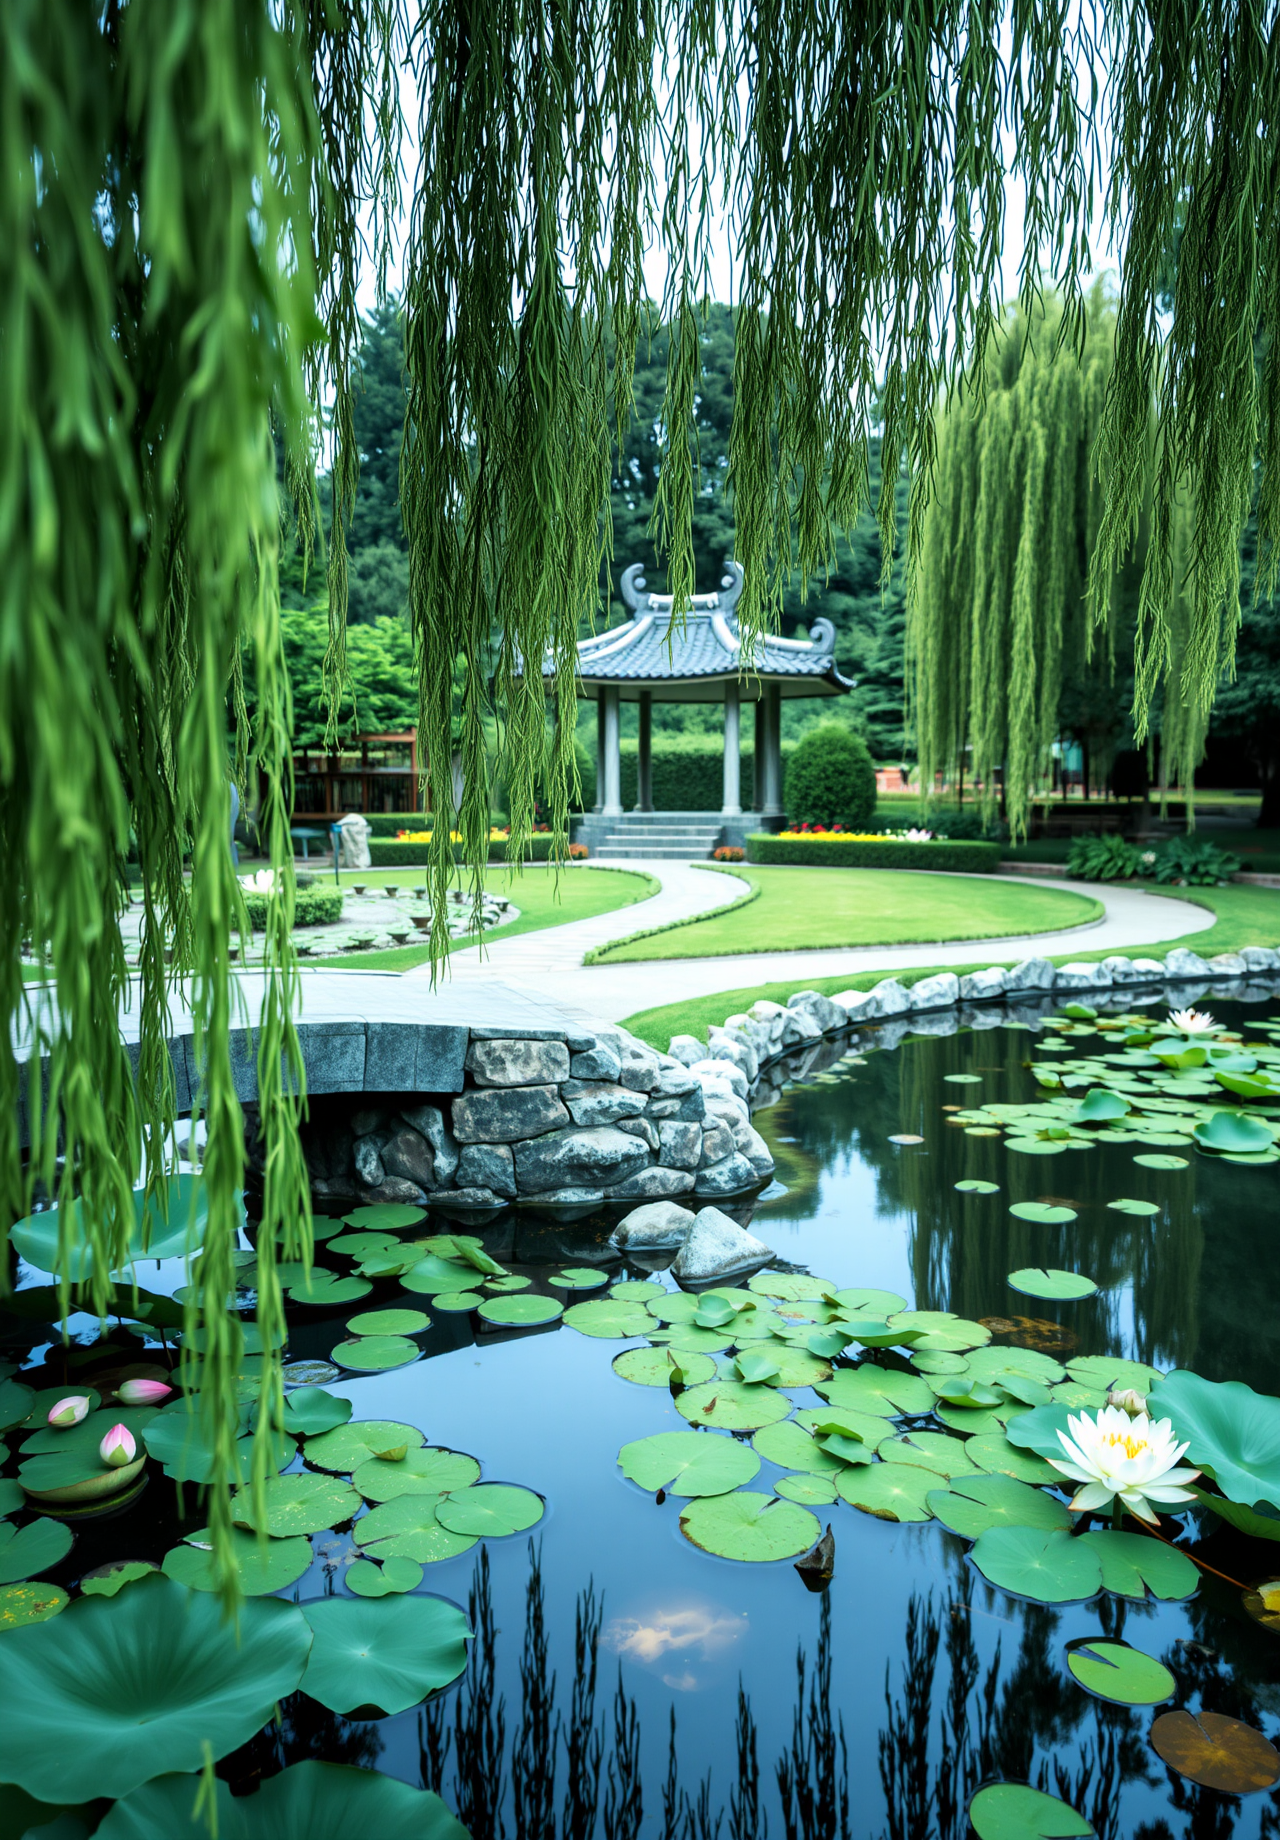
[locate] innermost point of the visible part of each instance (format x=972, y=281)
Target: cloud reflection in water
x=695, y=1632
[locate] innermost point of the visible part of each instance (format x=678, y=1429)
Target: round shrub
x=831, y=779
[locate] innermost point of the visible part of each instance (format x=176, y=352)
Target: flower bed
x=846, y=850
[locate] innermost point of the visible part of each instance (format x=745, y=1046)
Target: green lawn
x=1246, y=917
x=799, y=908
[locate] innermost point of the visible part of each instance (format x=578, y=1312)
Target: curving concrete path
x=550, y=962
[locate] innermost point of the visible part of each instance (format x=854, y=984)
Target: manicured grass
x=1246, y=917
x=799, y=908
x=578, y=894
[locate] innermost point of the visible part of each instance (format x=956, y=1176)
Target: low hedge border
x=393, y=853
x=844, y=853
x=311, y=907
x=600, y=955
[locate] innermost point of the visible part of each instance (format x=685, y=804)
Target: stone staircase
x=673, y=836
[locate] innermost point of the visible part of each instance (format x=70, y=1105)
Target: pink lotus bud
x=143, y=1392
x=118, y=1447
x=1128, y=1400
x=69, y=1411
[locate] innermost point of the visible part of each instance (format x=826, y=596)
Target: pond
x=686, y=1694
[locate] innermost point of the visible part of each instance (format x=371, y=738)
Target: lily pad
x=390, y=1579
x=309, y=1411
x=385, y=1216
x=838, y=1421
x=1127, y=1205
x=579, y=1278
x=882, y=1391
x=156, y=1673
x=673, y=1307
x=1038, y=1429
x=407, y=1528
x=749, y=1526
x=382, y=1654
x=27, y=1551
x=165, y=1227
x=890, y=1491
x=1098, y=1105
x=993, y=1455
x=30, y=1603
x=687, y=1338
x=520, y=1312
x=106, y=1580
x=729, y=1405
x=1045, y=1564
x=1048, y=1282
x=374, y=1354
x=1014, y=1811
x=974, y=1187
x=611, y=1319
x=308, y=1801
x=1135, y=1563
x=1234, y=1132
x=389, y=1322
x=652, y=1367
x=305, y=1503
x=860, y=1300
x=1043, y=1213
x=790, y=1286
x=1222, y=1753
x=427, y=1471
x=1033, y=1146
x=689, y=1463
x=963, y=1079
x=757, y=1366
x=343, y=1450
x=636, y=1290
x=1109, y=1372
x=975, y=1503
x=791, y=1446
x=808, y=1489
x=16, y=1402
x=490, y=1510
x=1157, y=1159
x=509, y=1282
x=262, y=1567
x=325, y=1288
x=455, y=1303
x=1233, y=1433
x=931, y=1450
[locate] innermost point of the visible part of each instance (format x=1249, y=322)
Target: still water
x=675, y=1690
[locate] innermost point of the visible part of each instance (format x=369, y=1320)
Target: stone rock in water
x=518, y=1063
x=407, y=1154
x=891, y=998
x=653, y=1228
x=1260, y=958
x=799, y=1028
x=733, y=1176
x=982, y=986
x=1183, y=964
x=368, y=1161
x=718, y=1247
x=591, y=1158
x=489, y=1166
x=600, y=1101
x=652, y=1182
x=429, y=1122
x=938, y=992
x=829, y=1016
x=503, y=1115
x=1082, y=976
x=1030, y=974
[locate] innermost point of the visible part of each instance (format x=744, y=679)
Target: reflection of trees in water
x=304, y=1731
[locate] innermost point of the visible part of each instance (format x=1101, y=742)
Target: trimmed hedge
x=391, y=853
x=844, y=853
x=830, y=779
x=311, y=907
x=687, y=772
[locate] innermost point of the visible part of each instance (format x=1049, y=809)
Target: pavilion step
x=648, y=853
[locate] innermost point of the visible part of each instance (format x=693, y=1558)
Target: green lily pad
x=166, y=1227
x=85, y=1437
x=890, y=1491
x=178, y=1437
x=426, y=1471
x=1045, y=1564
x=1262, y=1525
x=579, y=1278
x=389, y=1322
x=1013, y=1811
x=343, y=1450
x=975, y=1503
x=387, y=1580
x=965, y=1390
x=611, y=1320
x=970, y=1423
x=1034, y=1146
x=1135, y=1563
x=838, y=1421
x=799, y=1366
x=1098, y=1105
x=262, y=1567
x=860, y=1300
x=305, y=1503
x=1042, y=1213
x=1114, y=1671
x=27, y=1551
x=1126, y=1205
x=16, y=1402
x=994, y=1455
x=385, y=1216
x=490, y=1510
x=456, y=1303
x=963, y=1079
x=940, y=1329
x=673, y=1307
x=790, y=1286
x=882, y=1391
x=652, y=1367
x=309, y=1411
x=808, y=1489
x=749, y=1526
x=757, y=1366
x=326, y=1288
x=108, y=1579
x=637, y=1290
x=937, y=1361
x=1048, y=1282
x=687, y=1338
x=520, y=1312
x=1109, y=1373
x=361, y=1245
x=432, y=1275
x=158, y=1673
x=845, y=1449
x=1234, y=1132
x=510, y=1282
x=792, y=1446
x=387, y=1655
x=931, y=1450
x=1038, y=1429
x=308, y=1801
x=974, y=1187
x=688, y=1463
x=407, y=1528
x=374, y=1354
x=1233, y=1433
x=729, y=1405
x=30, y=1603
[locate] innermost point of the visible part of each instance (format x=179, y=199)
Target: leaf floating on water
x=1048, y=1566
x=1133, y=1563
x=1050, y=1283
x=963, y=1079
x=975, y=1504
x=455, y=1303
x=262, y=1567
x=1158, y=1160
x=579, y=1278
x=973, y=1187
x=1042, y=1213
x=1114, y=1671
x=890, y=1491
x=659, y=1367
x=809, y=1490
x=385, y=1214
x=610, y=1319
x=30, y=1603
x=27, y=1551
x=388, y=1655
x=757, y=1367
x=374, y=1354
x=426, y=1471
x=749, y=1526
x=520, y=1312
x=689, y=1463
x=389, y=1322
x=729, y=1405
x=1233, y=1132
x=1221, y=1753
x=106, y=1580
x=343, y=1450
x=905, y=1137
x=387, y=1580
x=1014, y=1811
x=490, y=1510
x=1126, y=1205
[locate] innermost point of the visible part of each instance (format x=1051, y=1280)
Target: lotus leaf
x=1262, y=1523
x=490, y=1510
x=931, y=1450
x=431, y=1275
x=1222, y=1753
x=305, y=1503
x=1048, y=1282
x=994, y=1455
x=389, y=1322
x=364, y=1245
x=653, y=1367
x=407, y=1528
x=383, y=1655
x=1046, y=1565
x=30, y=1603
x=890, y=1491
x=610, y=1320
x=308, y=1801
x=1234, y=1132
x=261, y=1566
x=11, y=1496
x=689, y=1463
x=729, y=1405
x=860, y=1300
x=1232, y=1432
x=963, y=1079
x=27, y=1551
x=1099, y=1105
x=838, y=1421
x=325, y=1288
x=749, y=1526
x=1038, y=1429
x=965, y=1391
x=164, y=1227
x=937, y=1361
x=799, y=1366
x=385, y=1216
x=792, y=1287
x=1042, y=1213
x=420, y=1472
x=869, y=1333
x=1135, y=1563
x=1013, y=1811
x=687, y=1338
x=16, y=1402
x=521, y=1312
x=323, y=1226
x=674, y=1306
x=1034, y=1146
x=808, y=1489
x=713, y=1311
x=1108, y=1372
x=509, y=1282
x=829, y=1344
x=942, y=1330
x=579, y=1278
x=374, y=1354
x=845, y=1449
x=156, y=1673
x=883, y=1391
x=791, y=1446
x=106, y=1580
x=388, y=1580
x=1127, y=1205
x=757, y=1366
x=309, y=1411
x=975, y=1503
x=343, y=1450
x=456, y=1303
x=636, y=1290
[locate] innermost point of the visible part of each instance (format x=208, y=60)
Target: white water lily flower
x=1192, y=1021
x=261, y=883
x=1133, y=1459
x=1129, y=1400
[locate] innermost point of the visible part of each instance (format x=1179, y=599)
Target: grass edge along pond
x=801, y=909
x=1246, y=916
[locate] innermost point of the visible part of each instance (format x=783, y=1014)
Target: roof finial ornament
x=633, y=586
x=822, y=637
x=731, y=586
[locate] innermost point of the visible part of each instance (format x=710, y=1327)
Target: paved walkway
x=550, y=961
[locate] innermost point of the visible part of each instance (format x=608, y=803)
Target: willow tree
x=185, y=199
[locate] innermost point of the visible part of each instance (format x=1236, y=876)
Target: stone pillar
x=761, y=748
x=599, y=802
x=644, y=759
x=772, y=783
x=612, y=807
x=732, y=765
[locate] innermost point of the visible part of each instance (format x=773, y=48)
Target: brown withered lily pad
x=1219, y=1752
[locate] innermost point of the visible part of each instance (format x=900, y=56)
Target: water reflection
x=696, y=1631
